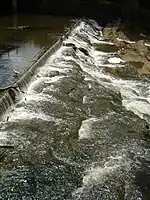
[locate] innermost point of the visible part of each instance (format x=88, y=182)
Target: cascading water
x=78, y=130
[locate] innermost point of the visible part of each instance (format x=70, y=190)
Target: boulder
x=108, y=32
x=132, y=56
x=148, y=56
x=113, y=32
x=132, y=52
x=135, y=52
x=119, y=44
x=145, y=69
x=139, y=46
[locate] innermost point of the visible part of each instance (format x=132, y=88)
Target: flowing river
x=78, y=131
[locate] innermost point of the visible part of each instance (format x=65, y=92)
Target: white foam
x=86, y=100
x=115, y=60
x=100, y=53
x=78, y=42
x=25, y=114
x=40, y=97
x=85, y=130
x=3, y=135
x=41, y=80
x=90, y=65
x=98, y=174
x=127, y=41
x=138, y=107
x=131, y=91
x=95, y=41
x=127, y=88
x=147, y=44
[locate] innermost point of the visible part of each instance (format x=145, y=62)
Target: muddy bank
x=135, y=52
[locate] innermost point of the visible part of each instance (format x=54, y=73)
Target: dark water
x=79, y=131
x=44, y=31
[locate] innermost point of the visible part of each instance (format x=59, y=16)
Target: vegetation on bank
x=131, y=10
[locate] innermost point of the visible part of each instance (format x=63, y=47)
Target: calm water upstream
x=78, y=130
x=44, y=31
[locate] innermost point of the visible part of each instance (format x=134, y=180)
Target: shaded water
x=78, y=130
x=45, y=30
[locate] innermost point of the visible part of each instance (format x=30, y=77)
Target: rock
x=119, y=44
x=75, y=95
x=110, y=32
x=113, y=32
x=109, y=48
x=139, y=47
x=135, y=52
x=132, y=56
x=148, y=56
x=145, y=69
x=132, y=52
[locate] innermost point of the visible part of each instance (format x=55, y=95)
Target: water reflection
x=45, y=30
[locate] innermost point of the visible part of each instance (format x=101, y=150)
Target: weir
x=10, y=94
x=77, y=131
